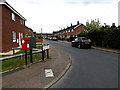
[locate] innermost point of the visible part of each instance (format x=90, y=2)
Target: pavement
x=107, y=49
x=34, y=75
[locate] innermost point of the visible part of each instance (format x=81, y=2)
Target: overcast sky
x=51, y=15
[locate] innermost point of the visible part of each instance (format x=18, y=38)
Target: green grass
x=38, y=44
x=16, y=62
x=4, y=56
x=39, y=47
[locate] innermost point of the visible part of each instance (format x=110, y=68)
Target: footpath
x=34, y=75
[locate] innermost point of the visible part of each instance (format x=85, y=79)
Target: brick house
x=13, y=27
x=71, y=31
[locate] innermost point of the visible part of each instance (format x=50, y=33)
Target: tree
x=93, y=25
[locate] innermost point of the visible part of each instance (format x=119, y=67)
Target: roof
x=68, y=28
x=44, y=33
x=11, y=8
x=29, y=28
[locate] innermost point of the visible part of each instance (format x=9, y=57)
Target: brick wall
x=39, y=40
x=73, y=33
x=78, y=30
x=27, y=31
x=8, y=27
x=0, y=28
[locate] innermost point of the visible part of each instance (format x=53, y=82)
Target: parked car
x=81, y=42
x=49, y=38
x=54, y=39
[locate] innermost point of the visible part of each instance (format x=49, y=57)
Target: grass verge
x=17, y=62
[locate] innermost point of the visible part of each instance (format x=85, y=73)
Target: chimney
x=71, y=24
x=78, y=23
x=2, y=0
x=113, y=24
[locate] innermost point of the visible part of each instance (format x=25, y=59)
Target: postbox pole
x=26, y=57
x=31, y=56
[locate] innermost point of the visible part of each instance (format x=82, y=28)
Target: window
x=14, y=36
x=72, y=30
x=13, y=16
x=21, y=21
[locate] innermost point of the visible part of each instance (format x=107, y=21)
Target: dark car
x=81, y=42
x=54, y=39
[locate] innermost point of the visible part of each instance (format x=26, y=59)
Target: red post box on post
x=26, y=46
x=26, y=43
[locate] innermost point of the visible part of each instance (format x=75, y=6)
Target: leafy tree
x=93, y=25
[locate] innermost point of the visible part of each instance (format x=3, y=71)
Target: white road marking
x=49, y=73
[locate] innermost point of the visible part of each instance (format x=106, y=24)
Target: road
x=91, y=68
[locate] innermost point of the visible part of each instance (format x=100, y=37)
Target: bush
x=106, y=36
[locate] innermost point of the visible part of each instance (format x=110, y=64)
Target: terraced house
x=71, y=31
x=13, y=27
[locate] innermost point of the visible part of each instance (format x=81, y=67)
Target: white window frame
x=72, y=30
x=14, y=36
x=13, y=16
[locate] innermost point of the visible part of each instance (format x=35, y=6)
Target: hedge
x=106, y=36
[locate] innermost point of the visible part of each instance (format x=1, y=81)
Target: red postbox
x=26, y=43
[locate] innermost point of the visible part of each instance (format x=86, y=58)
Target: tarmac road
x=91, y=68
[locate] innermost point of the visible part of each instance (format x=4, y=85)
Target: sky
x=52, y=15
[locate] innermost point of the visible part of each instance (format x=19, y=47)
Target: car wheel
x=79, y=46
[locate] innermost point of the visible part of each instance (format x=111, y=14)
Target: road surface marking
x=49, y=73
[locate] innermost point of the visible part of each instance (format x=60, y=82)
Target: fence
x=35, y=51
